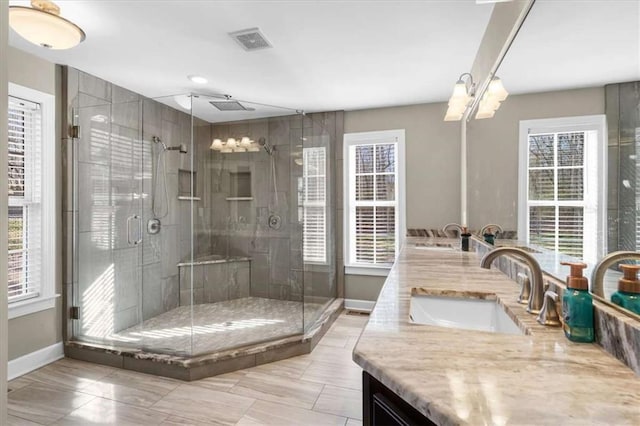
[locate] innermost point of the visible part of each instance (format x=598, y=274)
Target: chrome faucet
x=489, y=226
x=537, y=281
x=597, y=277
x=459, y=227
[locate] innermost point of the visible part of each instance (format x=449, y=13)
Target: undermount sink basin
x=467, y=313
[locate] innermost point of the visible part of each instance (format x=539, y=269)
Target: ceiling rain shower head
x=229, y=104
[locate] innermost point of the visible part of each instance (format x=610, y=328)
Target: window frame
x=587, y=123
x=396, y=136
x=49, y=233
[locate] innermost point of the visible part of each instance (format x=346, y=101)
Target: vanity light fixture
x=243, y=144
x=462, y=96
x=42, y=24
x=493, y=96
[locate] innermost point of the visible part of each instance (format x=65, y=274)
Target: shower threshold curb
x=197, y=367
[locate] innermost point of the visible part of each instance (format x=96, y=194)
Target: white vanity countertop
x=457, y=376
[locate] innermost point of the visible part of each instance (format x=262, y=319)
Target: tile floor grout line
x=318, y=397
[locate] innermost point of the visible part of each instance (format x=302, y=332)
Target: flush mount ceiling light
x=462, y=96
x=42, y=24
x=198, y=79
x=493, y=96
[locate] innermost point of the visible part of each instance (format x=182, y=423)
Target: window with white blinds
x=25, y=199
x=562, y=200
x=314, y=204
x=374, y=205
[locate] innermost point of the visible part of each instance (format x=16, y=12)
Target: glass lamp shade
x=44, y=28
x=216, y=145
x=497, y=90
x=231, y=143
x=489, y=102
x=453, y=115
x=460, y=91
x=485, y=111
x=245, y=142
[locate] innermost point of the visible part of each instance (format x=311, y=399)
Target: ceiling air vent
x=251, y=39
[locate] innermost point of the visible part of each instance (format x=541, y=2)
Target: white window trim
x=585, y=122
x=47, y=297
x=351, y=139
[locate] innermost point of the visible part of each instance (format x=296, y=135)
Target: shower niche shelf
x=185, y=179
x=240, y=185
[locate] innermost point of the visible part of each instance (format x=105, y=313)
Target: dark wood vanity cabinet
x=382, y=407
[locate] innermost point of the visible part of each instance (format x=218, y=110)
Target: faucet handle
x=549, y=312
x=525, y=290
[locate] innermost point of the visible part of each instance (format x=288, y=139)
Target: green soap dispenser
x=628, y=294
x=577, y=305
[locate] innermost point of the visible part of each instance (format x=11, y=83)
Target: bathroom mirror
x=591, y=46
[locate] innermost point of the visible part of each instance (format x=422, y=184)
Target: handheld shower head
x=263, y=143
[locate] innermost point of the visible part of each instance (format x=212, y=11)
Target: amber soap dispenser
x=628, y=294
x=577, y=305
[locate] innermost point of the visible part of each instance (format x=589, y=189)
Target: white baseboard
x=34, y=360
x=359, y=305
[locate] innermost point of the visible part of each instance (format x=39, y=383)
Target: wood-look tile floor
x=321, y=388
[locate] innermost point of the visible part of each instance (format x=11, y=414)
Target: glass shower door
x=108, y=228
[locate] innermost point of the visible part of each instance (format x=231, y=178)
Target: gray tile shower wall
x=215, y=282
x=119, y=284
x=241, y=228
x=621, y=107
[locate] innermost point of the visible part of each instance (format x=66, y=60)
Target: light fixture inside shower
x=241, y=144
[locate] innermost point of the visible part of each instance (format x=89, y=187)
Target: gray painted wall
x=4, y=58
x=493, y=150
x=32, y=332
x=433, y=159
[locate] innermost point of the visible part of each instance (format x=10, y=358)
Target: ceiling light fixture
x=198, y=79
x=493, y=96
x=462, y=96
x=42, y=24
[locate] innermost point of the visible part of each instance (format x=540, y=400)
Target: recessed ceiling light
x=197, y=79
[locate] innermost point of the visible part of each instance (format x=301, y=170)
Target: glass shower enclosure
x=200, y=223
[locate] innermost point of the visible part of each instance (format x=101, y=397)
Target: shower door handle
x=137, y=238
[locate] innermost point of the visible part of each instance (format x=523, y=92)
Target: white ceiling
x=567, y=44
x=327, y=55
x=331, y=55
